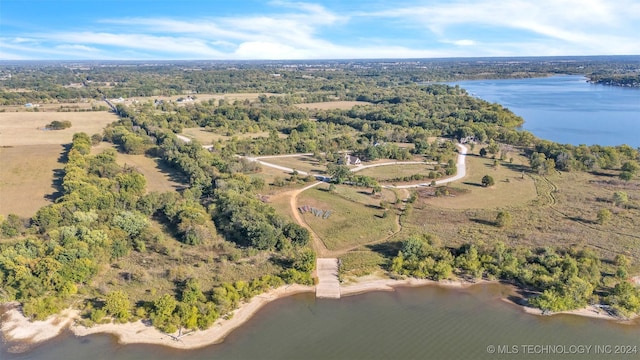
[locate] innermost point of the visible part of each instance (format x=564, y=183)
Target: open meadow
x=26, y=128
x=27, y=177
x=511, y=187
x=306, y=163
x=350, y=223
x=390, y=172
x=561, y=212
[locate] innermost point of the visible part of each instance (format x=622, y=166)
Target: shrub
x=487, y=180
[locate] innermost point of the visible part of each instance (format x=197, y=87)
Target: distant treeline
x=60, y=82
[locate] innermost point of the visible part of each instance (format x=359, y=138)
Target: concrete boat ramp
x=328, y=286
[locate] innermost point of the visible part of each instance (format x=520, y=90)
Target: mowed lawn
x=26, y=177
x=388, y=172
x=160, y=177
x=350, y=224
x=305, y=163
x=26, y=128
x=510, y=189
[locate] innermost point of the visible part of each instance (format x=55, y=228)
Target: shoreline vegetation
x=21, y=334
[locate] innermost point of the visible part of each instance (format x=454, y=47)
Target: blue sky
x=321, y=29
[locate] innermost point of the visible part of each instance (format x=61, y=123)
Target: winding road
x=460, y=164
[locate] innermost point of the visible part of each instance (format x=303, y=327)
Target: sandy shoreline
x=19, y=330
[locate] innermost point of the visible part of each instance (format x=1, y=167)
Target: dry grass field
x=510, y=188
x=26, y=177
x=350, y=224
x=24, y=128
x=341, y=105
x=159, y=176
x=563, y=213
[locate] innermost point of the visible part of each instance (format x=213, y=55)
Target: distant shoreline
x=21, y=334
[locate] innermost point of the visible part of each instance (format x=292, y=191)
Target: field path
x=318, y=245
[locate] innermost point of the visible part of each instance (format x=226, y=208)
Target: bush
x=58, y=125
x=604, y=215
x=503, y=219
x=487, y=180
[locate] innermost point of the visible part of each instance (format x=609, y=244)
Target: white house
x=350, y=160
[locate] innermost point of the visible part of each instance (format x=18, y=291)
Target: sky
x=315, y=29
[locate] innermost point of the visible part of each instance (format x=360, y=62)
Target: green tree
x=487, y=180
x=339, y=173
x=626, y=176
x=117, y=304
x=604, y=215
x=631, y=166
x=620, y=198
x=503, y=219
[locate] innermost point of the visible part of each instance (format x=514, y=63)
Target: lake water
x=567, y=109
x=412, y=323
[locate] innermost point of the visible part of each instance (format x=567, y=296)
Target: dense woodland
x=52, y=260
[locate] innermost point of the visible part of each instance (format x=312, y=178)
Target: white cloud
x=296, y=31
x=591, y=26
x=464, y=42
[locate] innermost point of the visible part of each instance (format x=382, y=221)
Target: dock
x=328, y=284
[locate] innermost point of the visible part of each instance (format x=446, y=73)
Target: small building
x=350, y=160
x=28, y=105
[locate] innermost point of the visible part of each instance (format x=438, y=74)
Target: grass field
x=305, y=163
x=341, y=105
x=389, y=172
x=363, y=195
x=24, y=128
x=350, y=223
x=562, y=214
x=160, y=177
x=360, y=263
x=26, y=177
x=510, y=188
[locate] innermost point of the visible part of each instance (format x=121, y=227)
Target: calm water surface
x=417, y=323
x=567, y=109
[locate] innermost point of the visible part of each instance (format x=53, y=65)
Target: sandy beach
x=19, y=330
x=590, y=311
x=376, y=283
